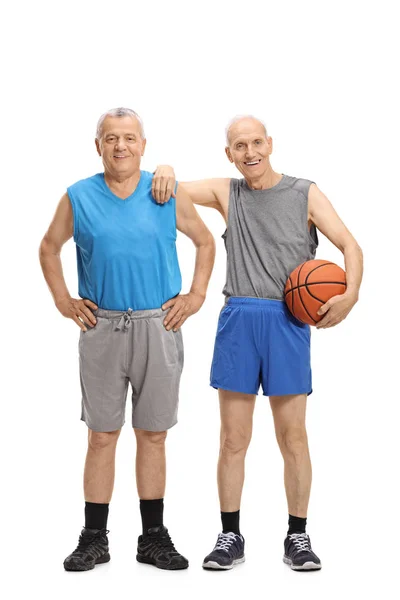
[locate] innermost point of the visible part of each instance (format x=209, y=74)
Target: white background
x=323, y=77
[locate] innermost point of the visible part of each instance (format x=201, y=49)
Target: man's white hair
x=240, y=118
x=118, y=112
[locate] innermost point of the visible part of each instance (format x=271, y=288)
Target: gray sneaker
x=299, y=554
x=228, y=552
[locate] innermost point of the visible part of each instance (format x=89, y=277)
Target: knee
x=152, y=438
x=235, y=442
x=99, y=440
x=292, y=440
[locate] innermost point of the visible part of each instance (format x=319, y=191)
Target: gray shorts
x=134, y=347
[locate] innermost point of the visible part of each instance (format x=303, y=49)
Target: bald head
x=244, y=124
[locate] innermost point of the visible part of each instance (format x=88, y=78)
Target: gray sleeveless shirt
x=267, y=237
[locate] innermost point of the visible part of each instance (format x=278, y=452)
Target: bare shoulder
x=61, y=228
x=317, y=201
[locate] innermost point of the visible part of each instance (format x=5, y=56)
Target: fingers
x=170, y=318
x=323, y=309
x=79, y=323
x=90, y=318
x=181, y=321
x=176, y=320
x=90, y=304
x=162, y=189
x=329, y=321
x=169, y=191
x=169, y=303
x=155, y=189
x=158, y=189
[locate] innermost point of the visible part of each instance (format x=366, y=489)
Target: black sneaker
x=156, y=548
x=91, y=550
x=298, y=553
x=228, y=552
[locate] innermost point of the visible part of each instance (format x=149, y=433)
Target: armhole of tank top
x=232, y=192
x=75, y=216
x=173, y=200
x=312, y=231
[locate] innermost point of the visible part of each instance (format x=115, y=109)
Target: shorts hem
x=135, y=426
x=226, y=389
x=290, y=393
x=104, y=429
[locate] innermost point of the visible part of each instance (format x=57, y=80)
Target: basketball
x=311, y=285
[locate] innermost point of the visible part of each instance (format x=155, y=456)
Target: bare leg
x=99, y=472
x=236, y=429
x=289, y=414
x=150, y=464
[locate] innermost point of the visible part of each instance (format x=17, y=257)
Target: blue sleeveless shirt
x=126, y=249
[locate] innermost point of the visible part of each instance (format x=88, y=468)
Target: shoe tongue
x=87, y=531
x=158, y=529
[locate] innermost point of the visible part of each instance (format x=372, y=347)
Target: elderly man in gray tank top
x=272, y=221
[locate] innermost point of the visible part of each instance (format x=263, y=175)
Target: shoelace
x=85, y=539
x=225, y=541
x=301, y=542
x=164, y=541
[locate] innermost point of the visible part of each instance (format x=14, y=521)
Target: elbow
x=354, y=248
x=42, y=249
x=46, y=248
x=211, y=244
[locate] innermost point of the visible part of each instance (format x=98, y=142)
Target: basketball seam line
x=301, y=299
x=305, y=308
x=290, y=279
x=315, y=283
x=318, y=267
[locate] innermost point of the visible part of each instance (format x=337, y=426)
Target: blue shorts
x=259, y=342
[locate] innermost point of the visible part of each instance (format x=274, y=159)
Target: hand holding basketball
x=335, y=310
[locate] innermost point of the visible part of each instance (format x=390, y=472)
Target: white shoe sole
x=308, y=566
x=212, y=565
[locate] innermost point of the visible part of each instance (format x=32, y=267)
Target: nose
x=250, y=154
x=120, y=144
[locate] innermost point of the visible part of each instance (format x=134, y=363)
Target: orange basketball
x=310, y=285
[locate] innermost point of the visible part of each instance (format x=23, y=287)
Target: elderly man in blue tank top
x=128, y=277
x=272, y=223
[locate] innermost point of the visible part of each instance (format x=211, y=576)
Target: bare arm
x=58, y=233
x=326, y=219
x=213, y=193
x=189, y=223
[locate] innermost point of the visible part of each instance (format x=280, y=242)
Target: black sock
x=230, y=521
x=96, y=515
x=152, y=513
x=297, y=524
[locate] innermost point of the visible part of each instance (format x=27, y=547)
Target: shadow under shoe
x=156, y=548
x=92, y=550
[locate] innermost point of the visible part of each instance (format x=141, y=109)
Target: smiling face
x=121, y=146
x=249, y=148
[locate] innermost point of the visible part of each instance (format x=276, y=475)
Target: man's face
x=249, y=148
x=121, y=145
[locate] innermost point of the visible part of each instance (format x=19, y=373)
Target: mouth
x=253, y=163
x=119, y=156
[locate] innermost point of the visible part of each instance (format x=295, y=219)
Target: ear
x=143, y=146
x=228, y=153
x=96, y=141
x=270, y=144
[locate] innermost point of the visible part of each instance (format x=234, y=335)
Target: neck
x=122, y=185
x=267, y=180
